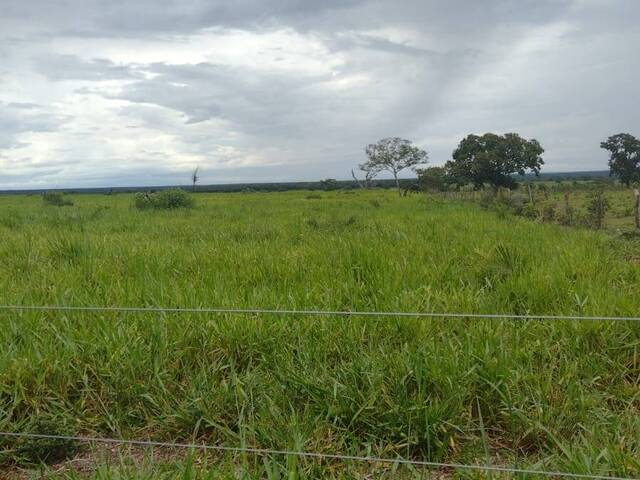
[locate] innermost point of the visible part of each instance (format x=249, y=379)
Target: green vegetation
x=392, y=155
x=57, y=199
x=624, y=157
x=559, y=395
x=493, y=160
x=586, y=204
x=164, y=199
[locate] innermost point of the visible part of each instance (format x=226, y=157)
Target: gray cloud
x=17, y=118
x=70, y=67
x=292, y=89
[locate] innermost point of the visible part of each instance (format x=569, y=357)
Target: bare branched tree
x=356, y=179
x=370, y=171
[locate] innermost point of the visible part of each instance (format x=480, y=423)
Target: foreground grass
x=553, y=395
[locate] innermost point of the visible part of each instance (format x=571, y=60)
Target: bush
x=596, y=209
x=529, y=211
x=434, y=179
x=487, y=199
x=549, y=213
x=164, y=200
x=56, y=199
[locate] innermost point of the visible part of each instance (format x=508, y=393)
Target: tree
x=195, y=178
x=494, y=159
x=393, y=155
x=329, y=184
x=433, y=179
x=369, y=175
x=624, y=158
x=370, y=171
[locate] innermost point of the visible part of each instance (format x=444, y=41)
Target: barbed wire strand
x=350, y=313
x=262, y=451
x=318, y=455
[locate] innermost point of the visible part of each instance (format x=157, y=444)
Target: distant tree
x=494, y=159
x=393, y=155
x=356, y=179
x=369, y=175
x=624, y=157
x=433, y=179
x=329, y=184
x=195, y=178
x=370, y=171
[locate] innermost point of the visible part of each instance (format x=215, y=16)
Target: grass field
x=550, y=204
x=558, y=395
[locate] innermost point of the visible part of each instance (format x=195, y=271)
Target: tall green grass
x=557, y=395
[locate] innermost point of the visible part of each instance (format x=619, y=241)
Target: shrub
x=56, y=199
x=529, y=211
x=549, y=212
x=487, y=199
x=597, y=206
x=164, y=200
x=502, y=211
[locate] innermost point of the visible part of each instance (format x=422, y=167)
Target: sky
x=141, y=92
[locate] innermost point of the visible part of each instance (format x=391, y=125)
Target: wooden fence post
x=567, y=209
x=530, y=194
x=637, y=193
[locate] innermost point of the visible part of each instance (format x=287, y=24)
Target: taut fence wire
x=316, y=455
x=311, y=312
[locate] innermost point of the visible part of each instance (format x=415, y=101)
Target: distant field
x=555, y=395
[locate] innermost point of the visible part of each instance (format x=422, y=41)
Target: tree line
x=485, y=160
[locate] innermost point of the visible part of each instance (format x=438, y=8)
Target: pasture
x=552, y=395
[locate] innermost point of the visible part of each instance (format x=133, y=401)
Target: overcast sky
x=139, y=92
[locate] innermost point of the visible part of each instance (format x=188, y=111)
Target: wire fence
x=307, y=454
x=316, y=455
x=325, y=313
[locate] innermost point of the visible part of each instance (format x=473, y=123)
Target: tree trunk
x=637, y=193
x=356, y=179
x=395, y=176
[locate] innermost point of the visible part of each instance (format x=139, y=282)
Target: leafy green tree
x=624, y=157
x=393, y=155
x=433, y=179
x=494, y=159
x=329, y=184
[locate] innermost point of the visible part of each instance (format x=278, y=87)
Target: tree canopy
x=624, y=157
x=494, y=159
x=433, y=179
x=393, y=155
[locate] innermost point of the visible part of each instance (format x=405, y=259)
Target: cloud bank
x=136, y=92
